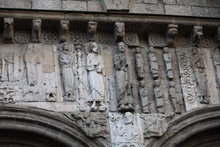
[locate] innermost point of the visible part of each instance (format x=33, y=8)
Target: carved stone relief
x=143, y=94
x=187, y=83
x=92, y=26
x=94, y=66
x=156, y=40
x=153, y=63
x=197, y=34
x=139, y=63
x=200, y=76
x=22, y=37
x=125, y=129
x=64, y=30
x=67, y=59
x=8, y=33
x=36, y=31
x=124, y=85
x=171, y=33
x=94, y=124
x=131, y=39
x=50, y=37
x=168, y=63
x=116, y=5
x=119, y=31
x=159, y=97
x=154, y=125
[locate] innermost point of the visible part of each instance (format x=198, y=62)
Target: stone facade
x=122, y=79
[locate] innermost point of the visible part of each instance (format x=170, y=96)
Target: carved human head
x=165, y=49
x=37, y=23
x=94, y=47
x=120, y=29
x=67, y=47
x=92, y=26
x=121, y=46
x=64, y=24
x=138, y=49
x=142, y=83
x=128, y=118
x=151, y=49
x=198, y=31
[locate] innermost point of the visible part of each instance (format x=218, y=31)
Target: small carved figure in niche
x=119, y=31
x=153, y=63
x=144, y=96
x=8, y=34
x=199, y=70
x=7, y=67
x=32, y=62
x=125, y=93
x=216, y=59
x=174, y=97
x=67, y=61
x=64, y=30
x=159, y=98
x=94, y=66
x=139, y=64
x=168, y=64
x=171, y=33
x=197, y=34
x=36, y=31
x=92, y=26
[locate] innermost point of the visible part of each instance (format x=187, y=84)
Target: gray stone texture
x=74, y=5
x=178, y=10
x=169, y=1
x=46, y=4
x=25, y=4
x=195, y=2
x=148, y=9
x=205, y=12
x=151, y=1
x=216, y=3
x=94, y=6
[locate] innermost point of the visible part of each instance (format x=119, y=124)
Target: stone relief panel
x=155, y=125
x=22, y=37
x=156, y=40
x=123, y=78
x=25, y=74
x=186, y=74
x=125, y=129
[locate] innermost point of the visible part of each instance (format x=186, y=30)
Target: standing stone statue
x=67, y=61
x=144, y=96
x=216, y=59
x=3, y=76
x=32, y=61
x=139, y=64
x=159, y=98
x=168, y=64
x=125, y=94
x=174, y=97
x=153, y=63
x=94, y=66
x=199, y=70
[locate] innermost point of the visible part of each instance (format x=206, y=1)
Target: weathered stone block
x=116, y=5
x=46, y=4
x=2, y=4
x=194, y=2
x=216, y=3
x=206, y=12
x=178, y=10
x=74, y=5
x=169, y=1
x=26, y=4
x=94, y=6
x=151, y=1
x=148, y=8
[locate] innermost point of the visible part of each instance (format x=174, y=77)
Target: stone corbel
x=197, y=34
x=36, y=30
x=64, y=30
x=92, y=27
x=119, y=31
x=8, y=33
x=172, y=31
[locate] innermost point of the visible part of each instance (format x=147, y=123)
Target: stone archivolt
x=135, y=85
